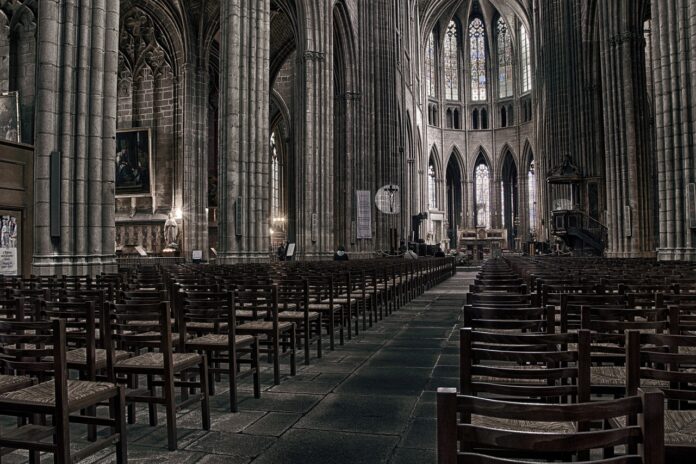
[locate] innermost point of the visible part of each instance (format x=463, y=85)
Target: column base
x=628, y=255
x=73, y=265
x=676, y=254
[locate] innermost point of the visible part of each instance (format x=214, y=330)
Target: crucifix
x=391, y=191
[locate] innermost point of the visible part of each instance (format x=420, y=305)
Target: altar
x=479, y=244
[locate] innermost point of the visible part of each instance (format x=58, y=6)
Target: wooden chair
x=220, y=341
x=293, y=302
x=262, y=301
x=459, y=441
x=525, y=367
x=38, y=349
x=609, y=325
x=667, y=362
x=135, y=327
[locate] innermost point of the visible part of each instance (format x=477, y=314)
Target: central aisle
x=370, y=401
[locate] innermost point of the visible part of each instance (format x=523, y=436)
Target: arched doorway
x=510, y=199
x=454, y=200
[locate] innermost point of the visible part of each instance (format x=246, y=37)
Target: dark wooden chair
x=667, y=362
x=262, y=301
x=37, y=349
x=459, y=441
x=525, y=367
x=293, y=302
x=138, y=327
x=216, y=336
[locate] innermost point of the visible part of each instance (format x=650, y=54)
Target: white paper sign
x=141, y=251
x=363, y=215
x=8, y=261
x=291, y=250
x=197, y=255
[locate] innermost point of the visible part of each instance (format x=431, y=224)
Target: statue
x=171, y=232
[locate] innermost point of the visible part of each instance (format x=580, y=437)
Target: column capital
x=312, y=55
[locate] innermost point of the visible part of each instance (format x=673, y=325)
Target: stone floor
x=369, y=401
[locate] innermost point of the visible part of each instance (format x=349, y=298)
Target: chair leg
x=255, y=366
x=119, y=415
x=62, y=437
x=331, y=324
x=293, y=350
x=307, y=334
x=232, y=373
x=212, y=376
x=319, y=324
x=152, y=407
x=275, y=353
x=205, y=398
x=132, y=382
x=343, y=323
x=170, y=406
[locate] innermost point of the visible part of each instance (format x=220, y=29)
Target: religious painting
x=134, y=175
x=9, y=245
x=9, y=117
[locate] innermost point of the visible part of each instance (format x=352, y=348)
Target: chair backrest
x=80, y=326
x=665, y=362
x=459, y=441
x=261, y=300
x=510, y=319
x=35, y=349
x=525, y=366
x=134, y=326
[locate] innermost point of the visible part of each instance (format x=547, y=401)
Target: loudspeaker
x=54, y=201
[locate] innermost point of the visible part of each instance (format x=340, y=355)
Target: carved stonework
x=314, y=56
x=140, y=50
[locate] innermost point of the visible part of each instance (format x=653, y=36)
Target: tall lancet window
x=430, y=66
x=483, y=197
x=432, y=190
x=275, y=179
x=526, y=65
x=504, y=59
x=532, y=193
x=451, y=50
x=477, y=44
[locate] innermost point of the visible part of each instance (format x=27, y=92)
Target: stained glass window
x=451, y=63
x=432, y=192
x=532, y=191
x=477, y=43
x=483, y=185
x=526, y=66
x=504, y=59
x=431, y=77
x=275, y=179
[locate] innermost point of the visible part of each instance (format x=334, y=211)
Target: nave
x=370, y=399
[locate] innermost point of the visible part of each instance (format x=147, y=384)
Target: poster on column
x=364, y=215
x=9, y=231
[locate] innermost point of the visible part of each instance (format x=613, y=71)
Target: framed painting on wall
x=134, y=177
x=9, y=117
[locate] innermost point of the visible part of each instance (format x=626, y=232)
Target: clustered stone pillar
x=195, y=185
x=674, y=52
x=244, y=175
x=76, y=117
x=628, y=154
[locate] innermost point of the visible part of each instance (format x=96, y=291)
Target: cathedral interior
x=461, y=157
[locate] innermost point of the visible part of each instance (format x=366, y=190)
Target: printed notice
x=363, y=215
x=8, y=261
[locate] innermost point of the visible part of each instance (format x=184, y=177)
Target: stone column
x=195, y=185
x=629, y=167
x=674, y=52
x=76, y=117
x=244, y=195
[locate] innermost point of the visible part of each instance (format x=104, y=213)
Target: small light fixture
x=179, y=214
x=270, y=231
